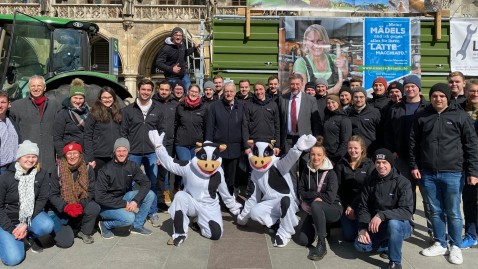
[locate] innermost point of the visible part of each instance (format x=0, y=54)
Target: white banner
x=464, y=46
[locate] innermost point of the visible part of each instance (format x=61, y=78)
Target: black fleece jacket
x=168, y=109
x=365, y=123
x=115, y=180
x=444, y=141
x=389, y=197
x=10, y=199
x=352, y=181
x=135, y=127
x=189, y=125
x=337, y=131
x=261, y=122
x=396, y=135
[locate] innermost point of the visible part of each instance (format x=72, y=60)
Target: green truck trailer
x=256, y=58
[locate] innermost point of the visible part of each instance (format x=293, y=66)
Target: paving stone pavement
x=240, y=247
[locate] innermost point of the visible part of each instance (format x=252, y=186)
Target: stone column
x=130, y=82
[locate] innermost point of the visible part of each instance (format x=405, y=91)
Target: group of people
x=339, y=158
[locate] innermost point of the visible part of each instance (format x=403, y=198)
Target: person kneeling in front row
x=118, y=204
x=385, y=210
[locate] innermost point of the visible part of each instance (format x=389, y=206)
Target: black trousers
x=322, y=213
x=230, y=167
x=297, y=167
x=470, y=209
x=85, y=223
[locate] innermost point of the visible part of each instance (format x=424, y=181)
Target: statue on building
x=44, y=7
x=128, y=6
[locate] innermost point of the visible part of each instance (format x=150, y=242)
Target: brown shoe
x=167, y=198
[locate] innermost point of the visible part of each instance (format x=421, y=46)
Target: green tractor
x=57, y=49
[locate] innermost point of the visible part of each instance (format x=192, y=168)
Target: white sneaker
x=455, y=255
x=435, y=250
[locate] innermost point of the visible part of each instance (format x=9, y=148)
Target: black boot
x=392, y=265
x=319, y=251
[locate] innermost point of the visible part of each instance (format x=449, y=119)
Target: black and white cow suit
x=273, y=198
x=203, y=177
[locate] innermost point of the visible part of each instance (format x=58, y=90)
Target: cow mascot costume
x=203, y=177
x=273, y=199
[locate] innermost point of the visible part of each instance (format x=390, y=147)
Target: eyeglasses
x=178, y=35
x=107, y=98
x=72, y=154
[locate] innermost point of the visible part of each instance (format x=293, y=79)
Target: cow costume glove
x=305, y=142
x=155, y=138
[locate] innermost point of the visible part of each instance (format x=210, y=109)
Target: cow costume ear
x=250, y=143
x=271, y=145
x=222, y=147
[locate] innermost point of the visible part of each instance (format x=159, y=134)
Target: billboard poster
x=464, y=45
x=381, y=6
x=344, y=48
x=387, y=49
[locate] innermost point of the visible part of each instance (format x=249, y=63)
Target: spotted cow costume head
x=208, y=158
x=262, y=156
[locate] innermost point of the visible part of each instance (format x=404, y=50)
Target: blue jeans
x=349, y=228
x=184, y=154
x=119, y=217
x=150, y=164
x=443, y=191
x=390, y=236
x=12, y=251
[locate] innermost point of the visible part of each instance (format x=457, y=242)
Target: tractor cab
x=55, y=48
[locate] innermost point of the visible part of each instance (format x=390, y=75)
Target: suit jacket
x=308, y=121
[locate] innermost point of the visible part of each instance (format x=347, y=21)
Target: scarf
x=472, y=110
x=26, y=192
x=78, y=115
x=40, y=103
x=73, y=190
x=192, y=104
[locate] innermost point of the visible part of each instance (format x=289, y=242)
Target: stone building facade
x=141, y=26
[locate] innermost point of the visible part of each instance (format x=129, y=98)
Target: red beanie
x=381, y=80
x=72, y=146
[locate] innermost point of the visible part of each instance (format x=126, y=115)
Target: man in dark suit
x=299, y=115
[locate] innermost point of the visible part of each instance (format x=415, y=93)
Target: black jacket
x=365, y=123
x=390, y=197
x=115, y=180
x=352, y=181
x=170, y=55
x=458, y=100
x=135, y=127
x=224, y=127
x=337, y=131
x=206, y=101
x=100, y=137
x=307, y=186
x=55, y=191
x=396, y=135
x=379, y=101
x=10, y=200
x=261, y=122
x=168, y=109
x=322, y=106
x=65, y=130
x=244, y=98
x=444, y=142
x=189, y=125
